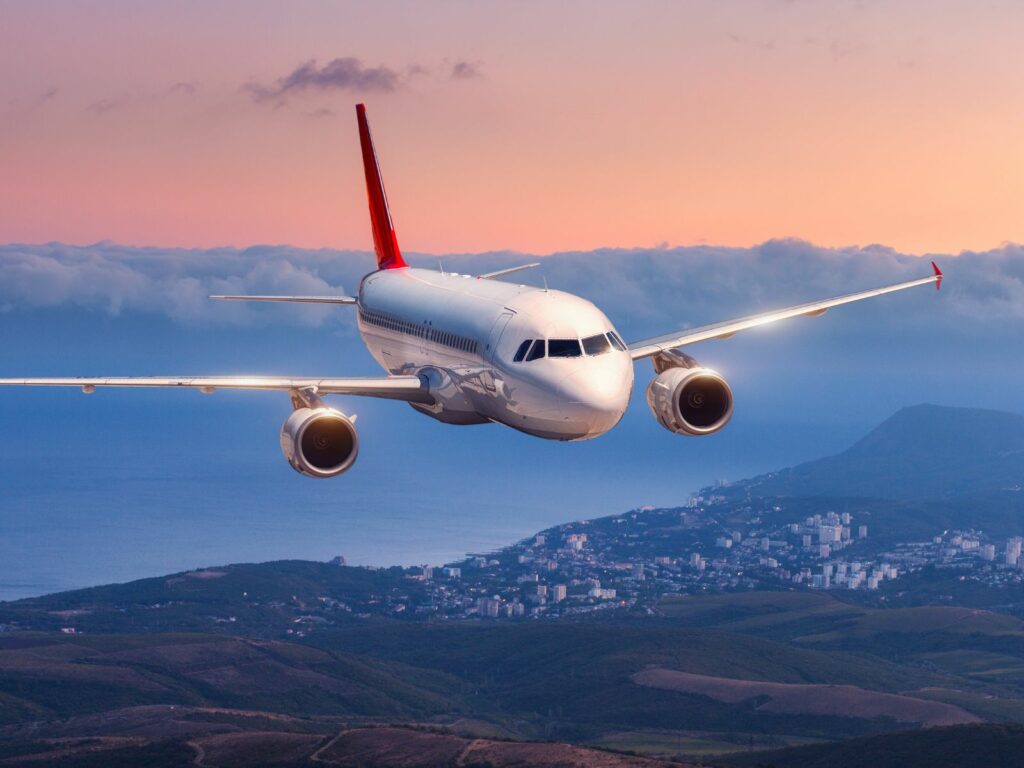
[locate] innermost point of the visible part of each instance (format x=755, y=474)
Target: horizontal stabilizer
x=509, y=271
x=293, y=299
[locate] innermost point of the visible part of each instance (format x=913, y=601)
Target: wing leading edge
x=408, y=388
x=647, y=347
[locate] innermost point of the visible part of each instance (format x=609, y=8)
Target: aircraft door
x=497, y=332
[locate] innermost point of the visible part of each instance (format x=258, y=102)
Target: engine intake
x=319, y=442
x=690, y=401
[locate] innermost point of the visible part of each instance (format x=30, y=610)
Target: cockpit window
x=618, y=343
x=536, y=351
x=596, y=345
x=564, y=348
x=521, y=352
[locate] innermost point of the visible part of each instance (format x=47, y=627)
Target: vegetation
x=963, y=746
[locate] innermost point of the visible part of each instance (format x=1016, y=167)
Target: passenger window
x=537, y=351
x=564, y=348
x=521, y=352
x=618, y=343
x=596, y=345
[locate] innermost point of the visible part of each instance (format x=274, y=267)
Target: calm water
x=141, y=499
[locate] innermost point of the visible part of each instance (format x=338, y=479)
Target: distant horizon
x=366, y=248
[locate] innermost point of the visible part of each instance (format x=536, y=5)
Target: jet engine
x=687, y=398
x=319, y=442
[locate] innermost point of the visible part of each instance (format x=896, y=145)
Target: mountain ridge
x=920, y=452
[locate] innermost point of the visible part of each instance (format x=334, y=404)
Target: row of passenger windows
x=428, y=332
x=534, y=349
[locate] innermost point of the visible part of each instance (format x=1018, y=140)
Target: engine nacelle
x=319, y=442
x=690, y=401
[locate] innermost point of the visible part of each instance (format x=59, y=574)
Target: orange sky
x=579, y=125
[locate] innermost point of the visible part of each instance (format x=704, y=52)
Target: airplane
x=473, y=349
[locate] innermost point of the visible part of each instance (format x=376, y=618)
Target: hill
x=982, y=649
x=560, y=680
x=254, y=600
x=45, y=677
x=963, y=746
x=921, y=452
x=169, y=737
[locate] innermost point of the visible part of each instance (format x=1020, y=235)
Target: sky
x=678, y=163
x=532, y=126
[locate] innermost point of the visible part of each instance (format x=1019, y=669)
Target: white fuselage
x=464, y=333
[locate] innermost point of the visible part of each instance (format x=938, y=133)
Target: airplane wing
x=407, y=388
x=647, y=347
x=293, y=299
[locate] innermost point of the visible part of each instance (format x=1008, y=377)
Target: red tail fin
x=384, y=240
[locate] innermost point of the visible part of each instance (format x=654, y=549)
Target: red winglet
x=384, y=240
x=938, y=276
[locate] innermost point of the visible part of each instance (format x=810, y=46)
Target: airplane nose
x=598, y=395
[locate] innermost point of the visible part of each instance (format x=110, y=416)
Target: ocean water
x=143, y=484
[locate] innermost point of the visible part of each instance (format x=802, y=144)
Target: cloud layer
x=646, y=290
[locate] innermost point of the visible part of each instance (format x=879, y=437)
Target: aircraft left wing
x=647, y=347
x=408, y=388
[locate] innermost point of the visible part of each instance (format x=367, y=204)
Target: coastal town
x=713, y=544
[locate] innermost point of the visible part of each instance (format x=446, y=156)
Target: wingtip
x=938, y=276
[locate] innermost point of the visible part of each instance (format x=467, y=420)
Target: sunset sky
x=537, y=127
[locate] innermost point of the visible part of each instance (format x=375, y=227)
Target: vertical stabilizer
x=385, y=243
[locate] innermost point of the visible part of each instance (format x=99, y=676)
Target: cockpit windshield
x=564, y=348
x=597, y=345
x=617, y=342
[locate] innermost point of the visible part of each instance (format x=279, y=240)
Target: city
x=713, y=544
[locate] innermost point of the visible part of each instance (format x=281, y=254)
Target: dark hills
x=169, y=737
x=920, y=452
x=964, y=746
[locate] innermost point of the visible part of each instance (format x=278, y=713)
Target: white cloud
x=643, y=286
